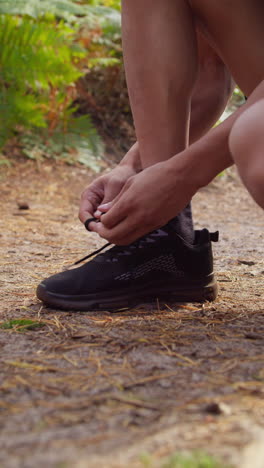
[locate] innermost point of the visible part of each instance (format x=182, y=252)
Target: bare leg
x=174, y=181
x=236, y=29
x=246, y=33
x=160, y=51
x=163, y=58
x=246, y=143
x=211, y=92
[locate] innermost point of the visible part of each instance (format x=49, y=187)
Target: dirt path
x=99, y=389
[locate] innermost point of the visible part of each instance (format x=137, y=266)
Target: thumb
x=106, y=203
x=104, y=207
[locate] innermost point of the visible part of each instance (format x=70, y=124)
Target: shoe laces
x=119, y=250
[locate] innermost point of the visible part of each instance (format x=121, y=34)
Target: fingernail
x=97, y=213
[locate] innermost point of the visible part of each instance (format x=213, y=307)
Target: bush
x=45, y=47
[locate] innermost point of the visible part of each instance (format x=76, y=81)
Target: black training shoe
x=160, y=265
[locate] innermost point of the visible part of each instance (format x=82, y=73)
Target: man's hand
x=146, y=202
x=103, y=190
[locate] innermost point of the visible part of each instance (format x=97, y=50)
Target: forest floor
x=100, y=389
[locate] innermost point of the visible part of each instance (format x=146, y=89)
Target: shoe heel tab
x=214, y=236
x=204, y=236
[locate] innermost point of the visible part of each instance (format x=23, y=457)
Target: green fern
x=35, y=59
x=36, y=54
x=64, y=9
x=105, y=12
x=42, y=55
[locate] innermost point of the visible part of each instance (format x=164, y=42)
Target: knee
x=246, y=139
x=246, y=143
x=253, y=179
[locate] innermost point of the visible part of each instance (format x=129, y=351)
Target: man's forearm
x=210, y=155
x=207, y=157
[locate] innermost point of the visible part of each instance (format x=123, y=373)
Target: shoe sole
x=126, y=299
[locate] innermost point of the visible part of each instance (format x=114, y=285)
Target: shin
x=160, y=51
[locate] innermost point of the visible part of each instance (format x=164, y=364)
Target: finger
x=92, y=226
x=86, y=210
x=107, y=204
x=111, y=235
x=105, y=207
x=88, y=223
x=123, y=234
x=129, y=235
x=115, y=215
x=129, y=230
x=98, y=214
x=90, y=199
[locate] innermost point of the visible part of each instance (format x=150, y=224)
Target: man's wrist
x=132, y=159
x=199, y=164
x=183, y=168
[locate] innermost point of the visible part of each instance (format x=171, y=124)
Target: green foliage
x=105, y=47
x=71, y=147
x=198, y=460
x=45, y=47
x=36, y=71
x=195, y=460
x=5, y=162
x=115, y=4
x=21, y=324
x=63, y=9
x=104, y=13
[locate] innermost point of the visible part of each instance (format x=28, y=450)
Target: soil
x=100, y=388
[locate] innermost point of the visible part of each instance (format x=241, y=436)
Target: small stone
x=246, y=262
x=22, y=205
x=253, y=336
x=217, y=408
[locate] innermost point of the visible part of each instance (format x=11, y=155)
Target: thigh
x=236, y=28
